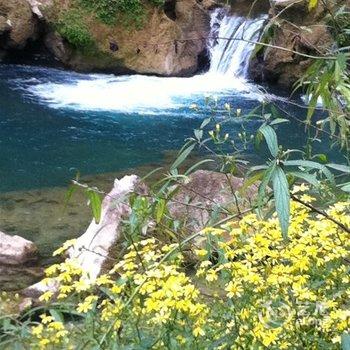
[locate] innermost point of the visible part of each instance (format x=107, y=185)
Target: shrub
x=72, y=27
x=129, y=12
x=261, y=291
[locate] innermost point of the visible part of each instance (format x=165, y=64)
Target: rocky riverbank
x=167, y=39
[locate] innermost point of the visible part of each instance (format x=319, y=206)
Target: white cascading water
x=230, y=45
x=232, y=41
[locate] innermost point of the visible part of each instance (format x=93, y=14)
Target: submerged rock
x=15, y=250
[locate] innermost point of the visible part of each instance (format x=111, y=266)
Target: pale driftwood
x=92, y=248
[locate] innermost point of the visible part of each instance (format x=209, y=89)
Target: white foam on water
x=149, y=94
x=142, y=94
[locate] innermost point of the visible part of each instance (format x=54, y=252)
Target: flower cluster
x=144, y=288
x=284, y=294
x=251, y=289
x=50, y=333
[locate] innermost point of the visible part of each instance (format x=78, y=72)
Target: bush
x=72, y=27
x=261, y=291
x=129, y=12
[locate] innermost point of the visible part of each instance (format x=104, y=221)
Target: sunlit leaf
x=95, y=204
x=160, y=210
x=264, y=182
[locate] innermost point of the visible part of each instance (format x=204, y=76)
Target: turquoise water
x=54, y=123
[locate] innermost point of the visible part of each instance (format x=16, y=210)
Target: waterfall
x=231, y=42
x=148, y=94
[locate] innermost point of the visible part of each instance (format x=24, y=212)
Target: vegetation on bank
x=73, y=22
x=260, y=291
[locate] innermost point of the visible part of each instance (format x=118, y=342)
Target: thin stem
x=324, y=214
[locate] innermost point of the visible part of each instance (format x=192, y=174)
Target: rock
x=15, y=250
x=203, y=194
x=58, y=47
x=17, y=24
x=195, y=202
x=249, y=8
x=169, y=43
x=297, y=30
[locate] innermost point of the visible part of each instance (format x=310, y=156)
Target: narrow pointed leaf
x=270, y=138
x=340, y=167
x=183, y=155
x=264, y=182
x=312, y=165
x=282, y=199
x=95, y=205
x=311, y=179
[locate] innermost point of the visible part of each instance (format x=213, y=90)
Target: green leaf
x=270, y=138
x=257, y=168
x=182, y=156
x=321, y=157
x=279, y=121
x=56, y=315
x=198, y=134
x=95, y=204
x=264, y=182
x=346, y=187
x=310, y=178
x=160, y=210
x=69, y=194
x=251, y=180
x=345, y=341
x=312, y=165
x=205, y=123
x=340, y=167
x=194, y=166
x=282, y=199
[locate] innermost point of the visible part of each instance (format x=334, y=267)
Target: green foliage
x=327, y=81
x=71, y=25
x=95, y=204
x=129, y=12
x=339, y=22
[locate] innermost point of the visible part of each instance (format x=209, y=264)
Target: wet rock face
x=15, y=250
x=250, y=8
x=17, y=24
x=297, y=30
x=170, y=43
